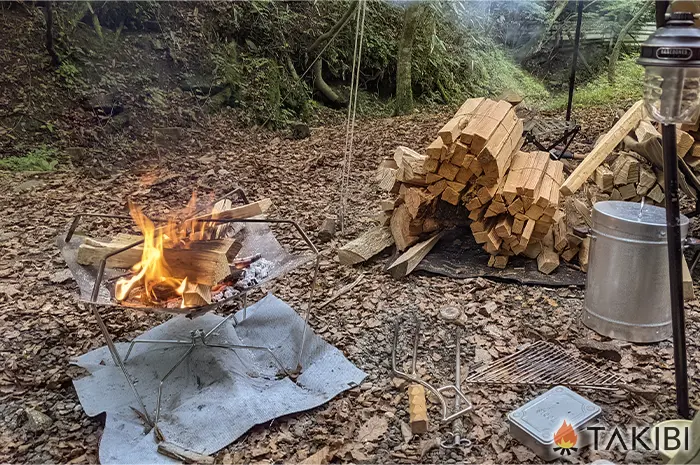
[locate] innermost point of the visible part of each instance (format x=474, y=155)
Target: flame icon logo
x=565, y=439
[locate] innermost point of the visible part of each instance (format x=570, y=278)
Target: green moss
x=627, y=86
x=40, y=159
x=260, y=90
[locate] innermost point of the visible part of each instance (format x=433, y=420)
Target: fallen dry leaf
x=406, y=432
x=320, y=457
x=373, y=429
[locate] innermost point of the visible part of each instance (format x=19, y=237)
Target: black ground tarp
x=457, y=255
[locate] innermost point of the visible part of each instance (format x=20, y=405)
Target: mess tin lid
x=544, y=415
x=633, y=219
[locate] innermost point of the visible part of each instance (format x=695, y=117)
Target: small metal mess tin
x=536, y=423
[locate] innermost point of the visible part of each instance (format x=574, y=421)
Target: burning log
x=176, y=260
x=241, y=212
x=91, y=252
x=196, y=295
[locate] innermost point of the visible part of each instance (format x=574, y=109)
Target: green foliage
x=451, y=63
x=260, y=93
x=627, y=86
x=226, y=70
x=42, y=158
x=254, y=41
x=495, y=71
x=69, y=72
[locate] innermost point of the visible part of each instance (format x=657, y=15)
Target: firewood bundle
x=473, y=150
x=515, y=216
x=512, y=197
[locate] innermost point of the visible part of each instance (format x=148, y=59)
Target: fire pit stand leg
x=118, y=361
x=308, y=311
x=231, y=316
x=170, y=372
x=154, y=341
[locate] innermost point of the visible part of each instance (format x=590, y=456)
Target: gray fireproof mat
x=457, y=255
x=216, y=395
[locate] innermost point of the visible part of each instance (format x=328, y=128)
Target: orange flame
x=152, y=270
x=565, y=437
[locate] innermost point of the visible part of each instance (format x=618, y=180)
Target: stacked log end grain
x=511, y=197
x=516, y=216
x=628, y=177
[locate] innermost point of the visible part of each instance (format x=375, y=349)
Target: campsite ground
x=44, y=326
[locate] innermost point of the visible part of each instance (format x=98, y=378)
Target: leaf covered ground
x=44, y=326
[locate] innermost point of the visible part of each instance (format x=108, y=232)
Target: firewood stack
x=636, y=173
x=512, y=197
x=515, y=217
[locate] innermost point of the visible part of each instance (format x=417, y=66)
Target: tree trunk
x=319, y=83
x=620, y=39
x=48, y=16
x=339, y=25
x=404, y=91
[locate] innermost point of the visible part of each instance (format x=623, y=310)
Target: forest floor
x=44, y=326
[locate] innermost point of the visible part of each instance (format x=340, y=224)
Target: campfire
x=184, y=263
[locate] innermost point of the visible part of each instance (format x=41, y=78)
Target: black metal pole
x=675, y=257
x=574, y=60
x=660, y=12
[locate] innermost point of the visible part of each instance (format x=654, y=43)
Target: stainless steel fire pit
x=97, y=289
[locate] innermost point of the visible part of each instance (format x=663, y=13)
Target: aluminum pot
x=627, y=287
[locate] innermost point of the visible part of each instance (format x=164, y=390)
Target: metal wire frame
x=203, y=337
x=543, y=364
x=198, y=336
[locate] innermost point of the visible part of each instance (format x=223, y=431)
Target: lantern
x=671, y=60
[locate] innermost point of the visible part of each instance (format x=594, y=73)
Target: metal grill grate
x=543, y=364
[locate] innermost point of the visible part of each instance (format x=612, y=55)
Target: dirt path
x=43, y=326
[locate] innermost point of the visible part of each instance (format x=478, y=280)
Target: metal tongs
x=454, y=438
x=458, y=411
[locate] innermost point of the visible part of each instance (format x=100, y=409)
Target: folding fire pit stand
x=198, y=337
x=539, y=128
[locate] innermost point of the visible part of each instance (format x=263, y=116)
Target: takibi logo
x=565, y=439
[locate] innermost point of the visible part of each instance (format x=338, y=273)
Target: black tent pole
x=675, y=250
x=577, y=43
x=675, y=267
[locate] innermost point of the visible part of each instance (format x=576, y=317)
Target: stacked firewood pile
x=511, y=197
x=636, y=172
